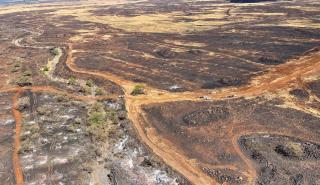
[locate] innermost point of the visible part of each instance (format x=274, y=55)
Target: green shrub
x=23, y=81
x=96, y=118
x=72, y=81
x=111, y=115
x=290, y=149
x=99, y=91
x=84, y=90
x=43, y=110
x=54, y=51
x=295, y=148
x=97, y=114
x=89, y=83
x=16, y=67
x=45, y=68
x=138, y=89
x=27, y=73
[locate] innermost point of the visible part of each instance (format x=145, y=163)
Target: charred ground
x=230, y=92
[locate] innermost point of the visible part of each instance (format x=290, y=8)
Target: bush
x=54, y=51
x=72, y=81
x=27, y=73
x=97, y=114
x=89, y=83
x=45, y=68
x=84, y=90
x=96, y=118
x=138, y=89
x=97, y=121
x=290, y=149
x=16, y=67
x=99, y=92
x=43, y=110
x=23, y=81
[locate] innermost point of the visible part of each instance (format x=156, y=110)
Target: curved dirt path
x=276, y=79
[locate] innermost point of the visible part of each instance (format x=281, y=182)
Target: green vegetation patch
x=24, y=81
x=27, y=73
x=54, y=51
x=137, y=90
x=290, y=149
x=72, y=81
x=99, y=92
x=89, y=83
x=45, y=69
x=16, y=67
x=100, y=121
x=97, y=114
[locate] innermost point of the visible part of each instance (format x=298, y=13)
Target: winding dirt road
x=278, y=78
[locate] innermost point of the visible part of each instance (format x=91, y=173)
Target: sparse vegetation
x=97, y=118
x=99, y=92
x=290, y=149
x=97, y=121
x=42, y=110
x=100, y=121
x=85, y=89
x=71, y=128
x=13, y=70
x=27, y=73
x=89, y=83
x=24, y=81
x=54, y=51
x=72, y=81
x=137, y=90
x=45, y=68
x=251, y=144
x=16, y=67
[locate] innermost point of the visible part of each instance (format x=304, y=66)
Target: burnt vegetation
x=201, y=59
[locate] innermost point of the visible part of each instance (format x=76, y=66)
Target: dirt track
x=278, y=78
x=16, y=161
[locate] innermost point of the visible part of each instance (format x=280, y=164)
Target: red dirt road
x=278, y=78
x=15, y=158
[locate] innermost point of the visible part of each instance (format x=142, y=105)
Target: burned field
x=6, y=136
x=214, y=134
x=283, y=159
x=179, y=46
x=62, y=141
x=204, y=46
x=160, y=92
